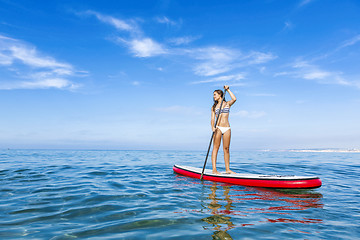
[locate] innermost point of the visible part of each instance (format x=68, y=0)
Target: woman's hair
x=221, y=93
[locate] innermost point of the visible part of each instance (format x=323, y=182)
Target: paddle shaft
x=212, y=135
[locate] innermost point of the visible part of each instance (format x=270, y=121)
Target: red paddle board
x=253, y=180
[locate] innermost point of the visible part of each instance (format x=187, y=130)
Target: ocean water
x=53, y=194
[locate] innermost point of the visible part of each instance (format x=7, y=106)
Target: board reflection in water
x=230, y=207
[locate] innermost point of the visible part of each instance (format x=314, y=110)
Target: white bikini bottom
x=223, y=129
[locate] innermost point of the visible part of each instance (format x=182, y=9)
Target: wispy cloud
x=260, y=57
x=305, y=70
x=217, y=62
x=138, y=44
x=12, y=50
x=225, y=78
x=30, y=57
x=305, y=2
x=288, y=25
x=167, y=21
x=119, y=24
x=311, y=72
x=213, y=60
x=210, y=61
x=250, y=114
x=321, y=67
x=350, y=42
x=145, y=47
x=30, y=69
x=183, y=40
x=341, y=47
x=47, y=83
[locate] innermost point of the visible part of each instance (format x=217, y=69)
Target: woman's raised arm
x=233, y=98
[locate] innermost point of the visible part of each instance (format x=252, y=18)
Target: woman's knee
x=226, y=149
x=216, y=148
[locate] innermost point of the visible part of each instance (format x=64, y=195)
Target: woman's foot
x=230, y=172
x=215, y=172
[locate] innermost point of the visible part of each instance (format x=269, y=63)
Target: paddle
x=212, y=136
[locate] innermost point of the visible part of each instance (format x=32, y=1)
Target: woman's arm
x=233, y=98
x=212, y=119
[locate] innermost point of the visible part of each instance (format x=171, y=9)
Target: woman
x=222, y=129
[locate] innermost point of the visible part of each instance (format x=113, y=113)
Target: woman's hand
x=233, y=98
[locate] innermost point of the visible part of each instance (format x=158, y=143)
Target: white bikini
x=223, y=129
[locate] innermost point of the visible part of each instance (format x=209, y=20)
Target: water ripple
x=133, y=194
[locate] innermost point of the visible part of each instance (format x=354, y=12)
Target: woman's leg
x=217, y=141
x=226, y=146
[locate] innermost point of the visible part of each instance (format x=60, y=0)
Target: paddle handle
x=212, y=136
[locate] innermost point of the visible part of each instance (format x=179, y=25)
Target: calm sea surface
x=46, y=194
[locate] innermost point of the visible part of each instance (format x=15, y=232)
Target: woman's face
x=216, y=96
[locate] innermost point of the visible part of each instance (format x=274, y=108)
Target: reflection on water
x=226, y=205
x=219, y=217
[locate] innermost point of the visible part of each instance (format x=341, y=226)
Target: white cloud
x=304, y=2
x=288, y=25
x=145, y=47
x=216, y=54
x=284, y=73
x=339, y=79
x=138, y=44
x=5, y=59
x=316, y=74
x=350, y=42
x=166, y=20
x=311, y=72
x=30, y=69
x=251, y=115
x=218, y=60
x=262, y=69
x=210, y=68
x=214, y=60
x=183, y=40
x=30, y=57
x=12, y=50
x=307, y=71
x=259, y=57
x=225, y=78
x=40, y=84
x=345, y=44
x=119, y=24
x=209, y=61
x=48, y=83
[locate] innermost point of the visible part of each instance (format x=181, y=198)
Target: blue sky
x=140, y=74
